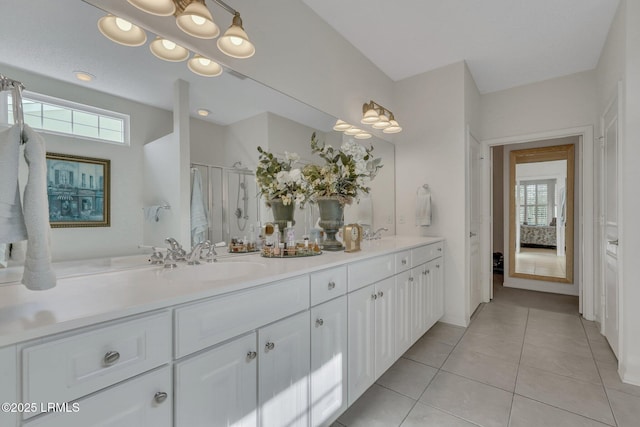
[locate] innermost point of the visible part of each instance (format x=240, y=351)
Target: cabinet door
x=328, y=361
x=385, y=329
x=361, y=369
x=219, y=387
x=145, y=401
x=404, y=312
x=283, y=372
x=8, y=384
x=438, y=289
x=418, y=297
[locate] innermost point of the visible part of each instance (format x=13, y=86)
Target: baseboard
x=630, y=375
x=455, y=320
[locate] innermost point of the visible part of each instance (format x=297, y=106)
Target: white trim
x=586, y=225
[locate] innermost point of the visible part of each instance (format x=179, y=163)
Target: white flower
x=283, y=178
x=295, y=175
x=291, y=157
x=300, y=198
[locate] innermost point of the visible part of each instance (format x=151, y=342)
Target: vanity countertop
x=84, y=300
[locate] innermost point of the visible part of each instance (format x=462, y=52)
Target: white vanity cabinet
x=219, y=387
x=371, y=334
x=8, y=384
x=405, y=312
x=283, y=372
x=328, y=377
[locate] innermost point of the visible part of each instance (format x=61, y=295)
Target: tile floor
x=526, y=359
x=540, y=261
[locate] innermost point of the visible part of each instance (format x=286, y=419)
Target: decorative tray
x=284, y=254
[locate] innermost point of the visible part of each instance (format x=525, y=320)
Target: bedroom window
x=62, y=117
x=536, y=202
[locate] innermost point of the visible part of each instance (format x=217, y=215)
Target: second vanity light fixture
x=379, y=117
x=194, y=18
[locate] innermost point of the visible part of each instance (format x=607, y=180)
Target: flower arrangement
x=278, y=179
x=346, y=171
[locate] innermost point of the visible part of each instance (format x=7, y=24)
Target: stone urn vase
x=282, y=213
x=331, y=220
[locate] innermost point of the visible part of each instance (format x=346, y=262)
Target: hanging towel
x=423, y=206
x=38, y=273
x=365, y=210
x=12, y=228
x=199, y=222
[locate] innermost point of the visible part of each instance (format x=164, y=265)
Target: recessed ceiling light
x=84, y=76
x=204, y=113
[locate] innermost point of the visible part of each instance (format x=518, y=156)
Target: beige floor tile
x=425, y=415
x=429, y=351
x=491, y=346
x=602, y=352
x=505, y=331
x=566, y=393
x=408, y=378
x=478, y=403
x=377, y=407
x=568, y=329
x=569, y=344
x=626, y=408
x=445, y=333
x=611, y=379
x=483, y=368
x=337, y=424
x=529, y=413
x=514, y=318
x=594, y=335
x=580, y=367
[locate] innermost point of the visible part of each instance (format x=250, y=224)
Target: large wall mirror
x=541, y=220
x=45, y=42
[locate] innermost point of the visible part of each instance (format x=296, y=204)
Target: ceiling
x=506, y=43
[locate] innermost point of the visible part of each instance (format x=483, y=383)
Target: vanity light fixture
x=341, y=126
x=167, y=50
x=352, y=131
x=197, y=21
x=204, y=66
x=235, y=42
x=379, y=117
x=362, y=135
x=155, y=7
x=121, y=31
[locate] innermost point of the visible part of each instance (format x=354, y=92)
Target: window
x=63, y=117
x=536, y=202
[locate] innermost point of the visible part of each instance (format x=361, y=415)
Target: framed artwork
x=78, y=189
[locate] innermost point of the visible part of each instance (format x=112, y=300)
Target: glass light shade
x=204, y=66
x=235, y=41
x=352, y=131
x=341, y=126
x=196, y=20
x=121, y=31
x=370, y=116
x=155, y=7
x=393, y=127
x=362, y=135
x=203, y=112
x=382, y=123
x=168, y=50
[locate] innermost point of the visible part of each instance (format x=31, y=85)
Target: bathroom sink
x=220, y=270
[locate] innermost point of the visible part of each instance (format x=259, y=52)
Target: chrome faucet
x=196, y=253
x=368, y=235
x=175, y=253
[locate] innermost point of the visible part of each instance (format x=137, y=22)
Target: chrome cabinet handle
x=380, y=294
x=269, y=346
x=251, y=355
x=439, y=249
x=613, y=242
x=404, y=262
x=319, y=322
x=160, y=397
x=374, y=296
x=111, y=357
x=411, y=279
x=427, y=272
x=437, y=265
x=331, y=285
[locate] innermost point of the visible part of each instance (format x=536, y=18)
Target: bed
x=538, y=236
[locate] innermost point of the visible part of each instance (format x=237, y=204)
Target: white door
x=404, y=312
x=610, y=122
x=328, y=361
x=385, y=330
x=219, y=387
x=283, y=372
x=145, y=401
x=474, y=207
x=361, y=368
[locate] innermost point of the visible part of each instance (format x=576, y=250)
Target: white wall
x=431, y=150
x=207, y=142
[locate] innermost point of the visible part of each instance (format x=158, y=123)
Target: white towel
x=423, y=206
x=38, y=273
x=365, y=210
x=199, y=222
x=12, y=228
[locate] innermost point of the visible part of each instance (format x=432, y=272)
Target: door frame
x=587, y=227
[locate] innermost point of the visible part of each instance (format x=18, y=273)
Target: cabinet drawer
x=370, y=271
x=426, y=253
x=328, y=284
x=402, y=261
x=143, y=401
x=71, y=367
x=210, y=322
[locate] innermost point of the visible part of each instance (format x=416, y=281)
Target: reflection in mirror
x=541, y=213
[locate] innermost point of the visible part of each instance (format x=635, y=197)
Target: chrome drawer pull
x=411, y=279
x=374, y=296
x=331, y=285
x=439, y=249
x=160, y=397
x=380, y=294
x=251, y=355
x=404, y=262
x=111, y=357
x=269, y=346
x=319, y=322
x=437, y=265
